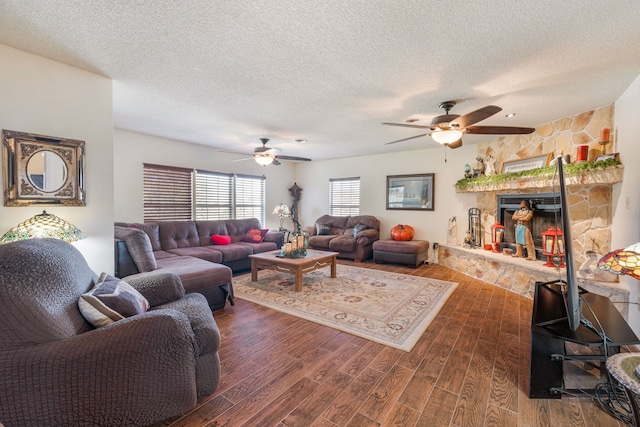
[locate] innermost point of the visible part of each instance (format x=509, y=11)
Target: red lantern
x=553, y=246
x=497, y=231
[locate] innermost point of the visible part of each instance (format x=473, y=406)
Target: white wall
x=132, y=149
x=373, y=171
x=626, y=196
x=49, y=98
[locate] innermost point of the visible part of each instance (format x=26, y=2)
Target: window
x=167, y=193
x=250, y=197
x=344, y=196
x=183, y=194
x=214, y=195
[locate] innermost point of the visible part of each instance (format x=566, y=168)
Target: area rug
x=389, y=308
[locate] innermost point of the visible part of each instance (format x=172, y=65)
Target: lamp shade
x=446, y=136
x=263, y=160
x=43, y=225
x=625, y=262
x=282, y=210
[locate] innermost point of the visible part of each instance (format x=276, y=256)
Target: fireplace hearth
x=546, y=207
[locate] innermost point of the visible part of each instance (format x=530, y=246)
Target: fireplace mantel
x=609, y=176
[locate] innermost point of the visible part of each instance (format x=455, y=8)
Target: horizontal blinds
x=167, y=193
x=250, y=197
x=344, y=196
x=214, y=195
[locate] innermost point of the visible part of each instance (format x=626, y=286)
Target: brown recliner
x=58, y=370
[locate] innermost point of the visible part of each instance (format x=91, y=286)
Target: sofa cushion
x=220, y=239
x=263, y=246
x=320, y=242
x=195, y=273
x=234, y=251
x=139, y=246
x=110, y=300
x=178, y=234
x=237, y=228
x=343, y=243
x=208, y=253
x=401, y=246
x=152, y=229
x=254, y=236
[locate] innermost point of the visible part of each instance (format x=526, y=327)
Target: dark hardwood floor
x=470, y=368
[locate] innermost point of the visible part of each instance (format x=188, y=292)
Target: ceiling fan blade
x=498, y=130
x=240, y=160
x=477, y=115
x=261, y=149
x=293, y=158
x=406, y=125
x=455, y=144
x=276, y=162
x=233, y=152
x=406, y=139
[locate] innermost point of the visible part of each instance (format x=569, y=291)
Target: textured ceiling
x=226, y=73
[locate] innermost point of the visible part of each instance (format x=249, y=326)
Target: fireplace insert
x=546, y=207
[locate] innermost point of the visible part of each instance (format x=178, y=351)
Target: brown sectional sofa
x=340, y=236
x=185, y=249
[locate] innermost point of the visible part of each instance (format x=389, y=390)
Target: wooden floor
x=470, y=368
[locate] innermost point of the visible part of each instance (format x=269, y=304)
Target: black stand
x=550, y=331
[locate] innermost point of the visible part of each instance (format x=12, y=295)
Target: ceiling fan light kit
x=263, y=159
x=265, y=156
x=446, y=136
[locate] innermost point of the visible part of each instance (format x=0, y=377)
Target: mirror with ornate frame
x=42, y=170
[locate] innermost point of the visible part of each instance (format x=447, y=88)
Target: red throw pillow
x=254, y=236
x=220, y=239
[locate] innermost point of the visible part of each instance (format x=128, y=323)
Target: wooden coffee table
x=296, y=266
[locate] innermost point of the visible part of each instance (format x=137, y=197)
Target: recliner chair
x=56, y=369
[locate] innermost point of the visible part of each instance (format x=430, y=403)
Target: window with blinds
x=167, y=194
x=344, y=196
x=228, y=196
x=172, y=193
x=250, y=199
x=214, y=195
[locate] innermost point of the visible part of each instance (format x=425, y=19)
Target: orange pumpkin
x=402, y=232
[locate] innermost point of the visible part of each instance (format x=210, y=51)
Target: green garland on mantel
x=569, y=170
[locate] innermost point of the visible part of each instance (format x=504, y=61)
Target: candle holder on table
x=296, y=247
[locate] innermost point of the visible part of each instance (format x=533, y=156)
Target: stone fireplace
x=589, y=197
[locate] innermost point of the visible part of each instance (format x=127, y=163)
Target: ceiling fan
x=265, y=156
x=448, y=129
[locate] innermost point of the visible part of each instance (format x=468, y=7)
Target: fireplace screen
x=546, y=207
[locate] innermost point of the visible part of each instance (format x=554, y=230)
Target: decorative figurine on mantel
x=479, y=169
x=491, y=166
x=522, y=217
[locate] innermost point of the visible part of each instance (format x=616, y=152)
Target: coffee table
x=297, y=266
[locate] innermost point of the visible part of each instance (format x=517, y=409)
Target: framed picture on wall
x=608, y=156
x=410, y=192
x=526, y=164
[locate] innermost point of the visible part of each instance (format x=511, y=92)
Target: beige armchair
x=56, y=369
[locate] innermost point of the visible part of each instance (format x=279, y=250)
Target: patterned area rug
x=389, y=308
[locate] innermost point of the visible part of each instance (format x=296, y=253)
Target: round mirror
x=47, y=171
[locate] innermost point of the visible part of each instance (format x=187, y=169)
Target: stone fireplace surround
x=589, y=199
